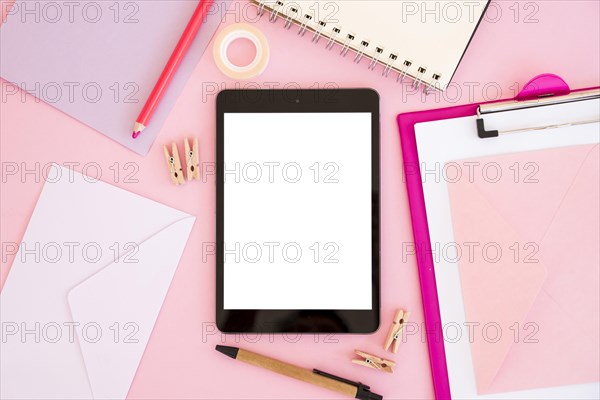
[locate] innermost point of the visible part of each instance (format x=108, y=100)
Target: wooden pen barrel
x=292, y=371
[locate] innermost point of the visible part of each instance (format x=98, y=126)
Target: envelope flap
x=498, y=291
x=75, y=208
x=571, y=252
x=122, y=302
x=527, y=188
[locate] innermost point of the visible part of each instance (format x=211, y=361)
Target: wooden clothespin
x=174, y=164
x=192, y=159
x=371, y=361
x=395, y=334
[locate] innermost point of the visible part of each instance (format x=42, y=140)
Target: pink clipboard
x=541, y=86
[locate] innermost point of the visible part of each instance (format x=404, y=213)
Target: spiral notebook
x=424, y=41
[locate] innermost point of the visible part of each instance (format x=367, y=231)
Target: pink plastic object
x=540, y=86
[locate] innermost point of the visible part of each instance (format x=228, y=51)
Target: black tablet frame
x=302, y=101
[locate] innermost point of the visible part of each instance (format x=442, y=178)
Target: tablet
x=297, y=236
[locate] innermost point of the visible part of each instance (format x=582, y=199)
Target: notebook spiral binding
x=291, y=16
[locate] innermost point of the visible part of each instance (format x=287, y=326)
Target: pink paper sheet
x=98, y=61
x=544, y=296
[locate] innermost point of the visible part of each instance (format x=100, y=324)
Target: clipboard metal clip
x=530, y=97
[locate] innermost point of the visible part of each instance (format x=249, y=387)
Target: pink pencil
x=169, y=71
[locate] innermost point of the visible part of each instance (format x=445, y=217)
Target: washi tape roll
x=241, y=31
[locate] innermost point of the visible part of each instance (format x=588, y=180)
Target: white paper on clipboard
x=442, y=143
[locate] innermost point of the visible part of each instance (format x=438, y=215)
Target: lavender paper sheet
x=98, y=61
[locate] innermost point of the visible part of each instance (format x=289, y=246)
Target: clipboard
x=541, y=90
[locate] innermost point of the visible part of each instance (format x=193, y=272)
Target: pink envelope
x=540, y=298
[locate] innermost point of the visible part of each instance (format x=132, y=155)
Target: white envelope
x=85, y=289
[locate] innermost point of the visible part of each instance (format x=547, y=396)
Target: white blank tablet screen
x=297, y=211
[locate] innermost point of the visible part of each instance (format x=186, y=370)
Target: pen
x=169, y=71
x=319, y=378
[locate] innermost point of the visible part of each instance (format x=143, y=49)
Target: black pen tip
x=228, y=351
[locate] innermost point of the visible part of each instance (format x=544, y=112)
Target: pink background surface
x=180, y=361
